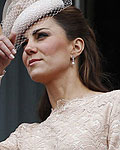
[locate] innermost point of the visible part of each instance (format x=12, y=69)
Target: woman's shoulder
x=98, y=98
x=104, y=96
x=26, y=127
x=24, y=130
x=111, y=97
x=115, y=94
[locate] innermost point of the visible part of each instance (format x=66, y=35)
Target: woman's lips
x=33, y=61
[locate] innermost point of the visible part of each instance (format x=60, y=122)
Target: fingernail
x=11, y=56
x=14, y=51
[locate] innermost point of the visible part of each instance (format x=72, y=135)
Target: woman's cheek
x=49, y=48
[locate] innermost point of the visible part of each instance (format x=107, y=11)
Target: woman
x=61, y=53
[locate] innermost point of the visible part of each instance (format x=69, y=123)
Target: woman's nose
x=30, y=48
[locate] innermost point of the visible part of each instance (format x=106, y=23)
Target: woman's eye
x=41, y=35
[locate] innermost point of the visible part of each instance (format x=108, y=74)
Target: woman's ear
x=78, y=47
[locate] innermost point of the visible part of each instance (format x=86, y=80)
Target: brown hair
x=75, y=25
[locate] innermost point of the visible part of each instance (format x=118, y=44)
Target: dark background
x=19, y=96
x=104, y=17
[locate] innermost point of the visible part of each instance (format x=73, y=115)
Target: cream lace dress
x=91, y=123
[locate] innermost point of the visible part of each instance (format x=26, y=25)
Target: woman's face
x=47, y=51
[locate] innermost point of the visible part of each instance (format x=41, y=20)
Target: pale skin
x=7, y=50
x=47, y=57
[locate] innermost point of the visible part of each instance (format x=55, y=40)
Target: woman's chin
x=43, y=77
x=39, y=78
x=35, y=75
x=36, y=78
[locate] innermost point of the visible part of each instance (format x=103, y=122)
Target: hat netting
x=21, y=14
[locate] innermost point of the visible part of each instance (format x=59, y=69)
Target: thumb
x=12, y=37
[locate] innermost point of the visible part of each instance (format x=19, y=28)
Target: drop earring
x=73, y=60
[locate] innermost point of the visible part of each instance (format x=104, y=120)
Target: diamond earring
x=73, y=60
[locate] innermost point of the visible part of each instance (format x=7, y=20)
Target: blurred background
x=19, y=95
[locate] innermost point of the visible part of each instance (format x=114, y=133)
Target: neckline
x=63, y=102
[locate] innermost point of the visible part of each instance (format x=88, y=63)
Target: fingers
x=3, y=55
x=7, y=42
x=6, y=46
x=7, y=51
x=12, y=38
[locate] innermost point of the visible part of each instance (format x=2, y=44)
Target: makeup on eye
x=41, y=35
x=38, y=36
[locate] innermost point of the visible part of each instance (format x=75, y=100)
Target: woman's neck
x=66, y=86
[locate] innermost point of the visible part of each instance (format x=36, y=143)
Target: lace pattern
x=91, y=123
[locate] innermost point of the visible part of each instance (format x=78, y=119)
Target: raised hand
x=7, y=50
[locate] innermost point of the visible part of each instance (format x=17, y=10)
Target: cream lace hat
x=19, y=15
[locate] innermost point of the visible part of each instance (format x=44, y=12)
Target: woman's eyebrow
x=35, y=31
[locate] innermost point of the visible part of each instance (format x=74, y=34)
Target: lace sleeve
x=11, y=143
x=114, y=129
